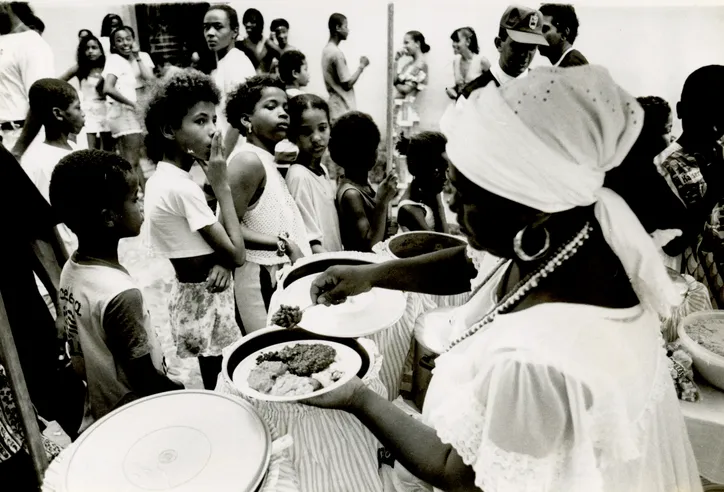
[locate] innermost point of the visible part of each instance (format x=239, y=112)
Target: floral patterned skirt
x=202, y=323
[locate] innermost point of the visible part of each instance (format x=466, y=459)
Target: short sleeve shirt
x=127, y=72
x=175, y=209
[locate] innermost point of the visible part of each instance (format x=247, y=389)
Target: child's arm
x=123, y=323
x=47, y=268
x=438, y=212
x=246, y=175
x=109, y=89
x=412, y=217
x=224, y=236
x=146, y=70
x=371, y=230
x=70, y=73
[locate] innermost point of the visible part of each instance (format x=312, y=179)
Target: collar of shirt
x=565, y=53
x=501, y=76
x=171, y=170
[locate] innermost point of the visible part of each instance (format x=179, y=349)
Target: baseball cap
x=523, y=25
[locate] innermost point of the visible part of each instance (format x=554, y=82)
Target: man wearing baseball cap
x=520, y=34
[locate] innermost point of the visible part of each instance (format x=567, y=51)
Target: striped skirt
x=332, y=451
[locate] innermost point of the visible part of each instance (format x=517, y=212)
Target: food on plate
x=295, y=370
x=287, y=316
x=709, y=333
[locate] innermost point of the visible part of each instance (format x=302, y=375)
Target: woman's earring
x=518, y=246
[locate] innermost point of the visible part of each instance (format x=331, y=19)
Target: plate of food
x=358, y=316
x=297, y=370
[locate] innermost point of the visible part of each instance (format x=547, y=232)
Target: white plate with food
x=294, y=371
x=358, y=316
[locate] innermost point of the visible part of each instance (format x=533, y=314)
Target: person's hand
x=339, y=282
x=399, y=54
x=273, y=37
x=215, y=167
x=342, y=398
x=388, y=187
x=219, y=279
x=135, y=49
x=364, y=62
x=60, y=327
x=451, y=93
x=294, y=252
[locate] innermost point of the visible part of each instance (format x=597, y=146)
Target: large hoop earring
x=518, y=246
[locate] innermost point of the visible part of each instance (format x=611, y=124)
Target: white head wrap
x=546, y=141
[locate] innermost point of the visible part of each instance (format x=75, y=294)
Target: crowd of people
x=546, y=168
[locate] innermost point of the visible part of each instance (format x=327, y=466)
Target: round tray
x=184, y=441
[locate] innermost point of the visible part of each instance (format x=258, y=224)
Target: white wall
x=649, y=50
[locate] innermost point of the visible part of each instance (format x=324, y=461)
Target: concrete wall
x=649, y=50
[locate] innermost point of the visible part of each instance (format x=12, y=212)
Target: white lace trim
x=611, y=440
x=476, y=256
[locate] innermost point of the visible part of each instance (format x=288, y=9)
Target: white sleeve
x=301, y=190
x=113, y=66
x=190, y=202
x=37, y=63
x=514, y=423
x=146, y=59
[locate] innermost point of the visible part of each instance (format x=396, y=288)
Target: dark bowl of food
x=268, y=337
x=319, y=265
x=416, y=243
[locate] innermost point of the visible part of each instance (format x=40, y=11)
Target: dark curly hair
x=564, y=17
x=86, y=182
x=424, y=153
x=171, y=101
x=353, y=141
x=46, y=94
x=290, y=62
x=242, y=101
x=297, y=106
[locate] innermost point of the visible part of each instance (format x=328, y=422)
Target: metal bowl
x=416, y=243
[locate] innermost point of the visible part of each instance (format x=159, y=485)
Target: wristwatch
x=282, y=244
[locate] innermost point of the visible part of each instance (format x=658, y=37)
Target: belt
x=11, y=125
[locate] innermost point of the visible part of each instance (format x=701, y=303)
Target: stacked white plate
x=185, y=441
x=358, y=316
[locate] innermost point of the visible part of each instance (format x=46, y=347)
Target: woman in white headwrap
x=555, y=377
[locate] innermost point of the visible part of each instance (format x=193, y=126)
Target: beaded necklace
x=529, y=283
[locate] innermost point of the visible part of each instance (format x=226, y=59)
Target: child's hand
x=364, y=62
x=293, y=252
x=218, y=280
x=215, y=168
x=135, y=49
x=388, y=187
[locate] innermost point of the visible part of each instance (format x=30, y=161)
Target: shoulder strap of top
x=484, y=79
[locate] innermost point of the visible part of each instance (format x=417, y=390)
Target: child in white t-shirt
x=55, y=103
x=308, y=180
x=112, y=343
x=202, y=249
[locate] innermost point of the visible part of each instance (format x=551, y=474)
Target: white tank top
x=274, y=213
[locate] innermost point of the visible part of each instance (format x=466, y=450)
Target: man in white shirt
x=24, y=58
x=519, y=36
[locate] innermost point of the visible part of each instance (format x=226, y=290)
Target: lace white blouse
x=562, y=397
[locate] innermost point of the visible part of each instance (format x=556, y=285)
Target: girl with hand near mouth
x=308, y=179
x=127, y=73
x=272, y=225
x=203, y=249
